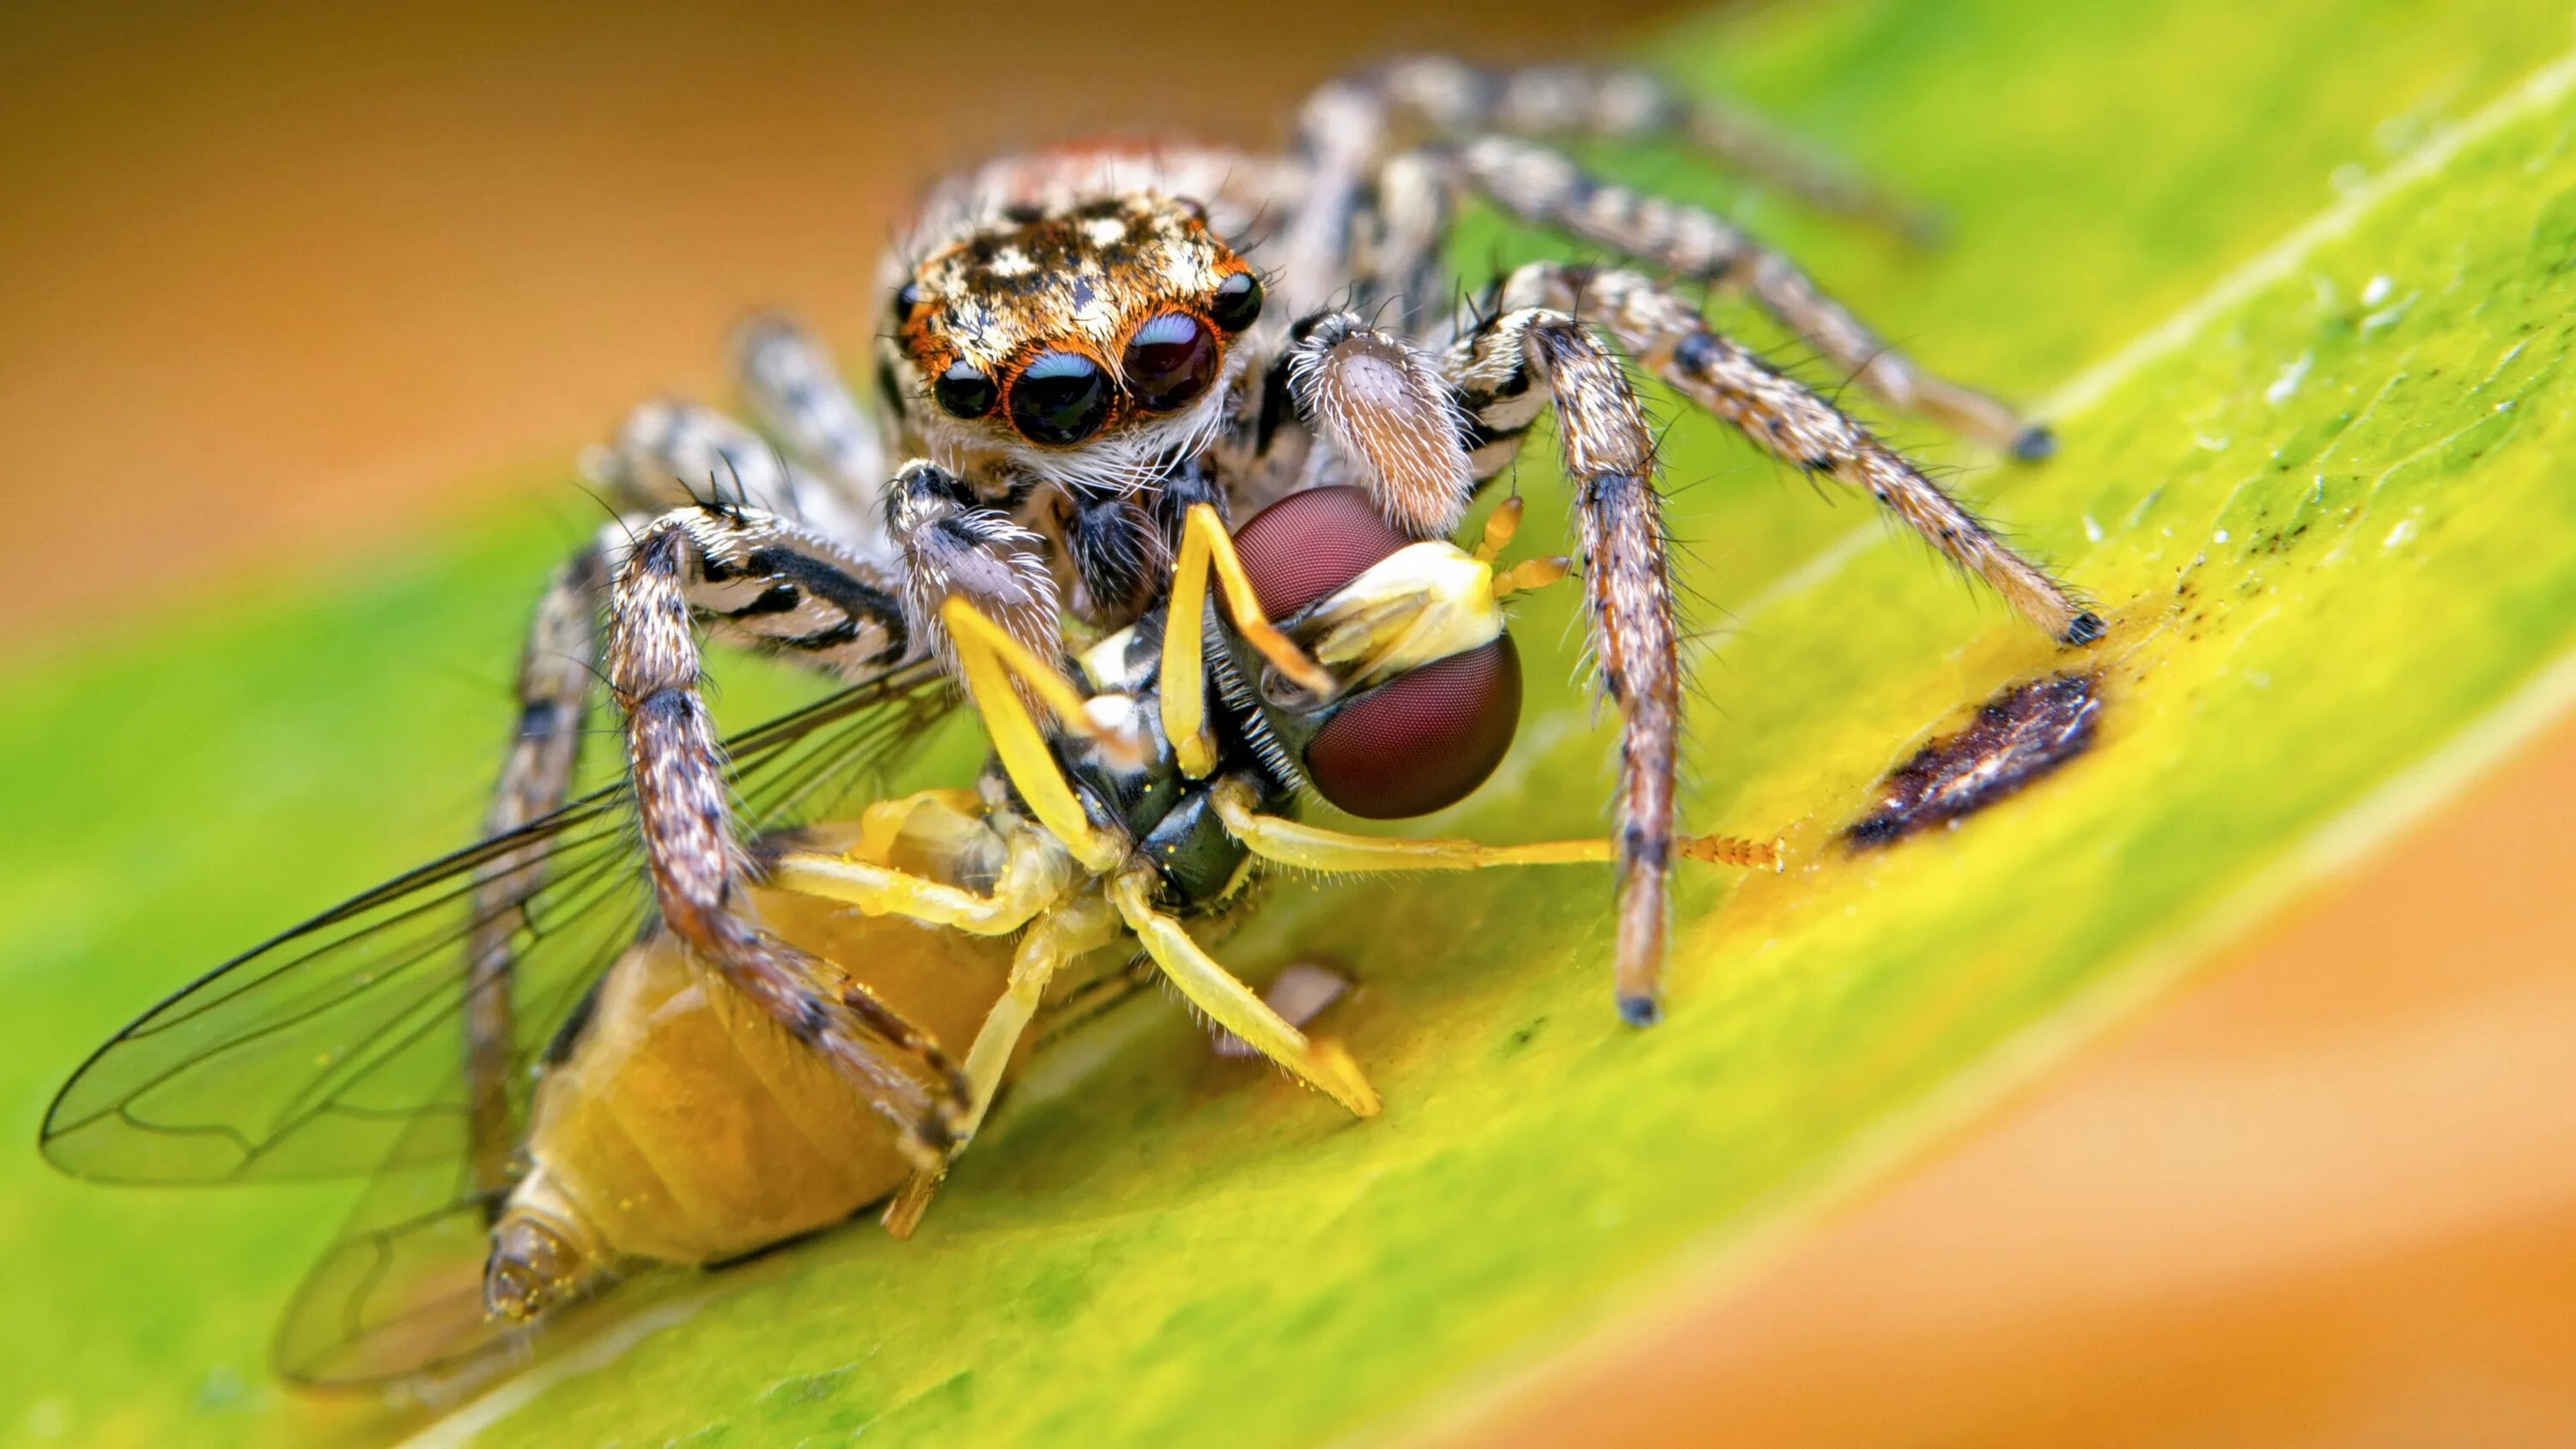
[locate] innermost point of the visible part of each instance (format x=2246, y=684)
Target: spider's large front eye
x=1169, y=361
x=1061, y=398
x=1421, y=741
x=1237, y=303
x=964, y=392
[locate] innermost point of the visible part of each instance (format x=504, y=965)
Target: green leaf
x=2294, y=279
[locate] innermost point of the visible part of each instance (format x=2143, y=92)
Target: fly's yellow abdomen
x=687, y=1126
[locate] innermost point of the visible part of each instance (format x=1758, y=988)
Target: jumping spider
x=1115, y=387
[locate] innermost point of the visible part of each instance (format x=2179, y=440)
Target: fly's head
x=1082, y=342
x=1413, y=633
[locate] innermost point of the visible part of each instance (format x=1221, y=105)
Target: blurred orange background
x=282, y=280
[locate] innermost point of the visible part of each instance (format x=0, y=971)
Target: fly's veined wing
x=338, y=1048
x=400, y=1293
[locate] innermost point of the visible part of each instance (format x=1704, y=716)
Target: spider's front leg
x=1505, y=372
x=1786, y=419
x=710, y=560
x=1535, y=351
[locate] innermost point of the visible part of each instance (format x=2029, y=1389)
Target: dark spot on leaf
x=2017, y=737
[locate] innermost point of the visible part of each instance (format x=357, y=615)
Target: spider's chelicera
x=1161, y=462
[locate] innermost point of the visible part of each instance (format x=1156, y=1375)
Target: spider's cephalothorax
x=1162, y=462
x=1083, y=343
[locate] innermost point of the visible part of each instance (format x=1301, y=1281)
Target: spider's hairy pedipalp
x=1385, y=413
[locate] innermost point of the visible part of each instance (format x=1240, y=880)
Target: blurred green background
x=306, y=289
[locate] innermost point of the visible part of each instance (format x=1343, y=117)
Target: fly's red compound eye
x=1310, y=544
x=1419, y=742
x=1169, y=361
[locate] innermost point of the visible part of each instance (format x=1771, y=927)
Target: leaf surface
x=2294, y=280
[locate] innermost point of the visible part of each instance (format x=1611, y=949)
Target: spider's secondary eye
x=906, y=297
x=964, y=392
x=1421, y=741
x=1169, y=361
x=1061, y=398
x=1237, y=303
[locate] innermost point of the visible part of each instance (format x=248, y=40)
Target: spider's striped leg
x=1505, y=371
x=695, y=561
x=1667, y=335
x=672, y=452
x=554, y=683
x=1400, y=244
x=1388, y=420
x=1456, y=98
x=796, y=395
x=1546, y=188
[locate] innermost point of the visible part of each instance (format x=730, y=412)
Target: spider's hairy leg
x=1400, y=244
x=1456, y=98
x=795, y=393
x=1386, y=416
x=698, y=866
x=671, y=452
x=1669, y=337
x=554, y=681
x=1546, y=188
x=1504, y=371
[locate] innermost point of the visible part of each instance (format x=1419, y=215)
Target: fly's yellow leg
x=1290, y=842
x=990, y=658
x=1035, y=876
x=1063, y=934
x=1207, y=549
x=1231, y=1004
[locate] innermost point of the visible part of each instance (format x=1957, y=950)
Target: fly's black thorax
x=1166, y=813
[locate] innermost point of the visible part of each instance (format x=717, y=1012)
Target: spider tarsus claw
x=2037, y=443
x=1640, y=1011
x=2087, y=628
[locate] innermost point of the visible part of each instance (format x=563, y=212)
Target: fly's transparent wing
x=400, y=1293
x=338, y=1048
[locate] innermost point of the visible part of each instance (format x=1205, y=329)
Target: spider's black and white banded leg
x=795, y=394
x=1455, y=98
x=1667, y=335
x=1546, y=188
x=1505, y=371
x=752, y=571
x=554, y=682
